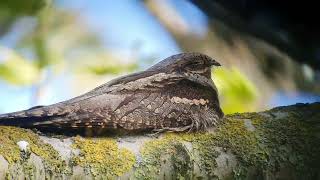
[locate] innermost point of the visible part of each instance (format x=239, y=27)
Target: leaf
x=104, y=64
x=23, y=7
x=237, y=92
x=16, y=70
x=111, y=69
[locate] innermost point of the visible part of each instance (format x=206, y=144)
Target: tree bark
x=281, y=143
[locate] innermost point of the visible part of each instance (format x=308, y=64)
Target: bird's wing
x=109, y=86
x=103, y=98
x=146, y=80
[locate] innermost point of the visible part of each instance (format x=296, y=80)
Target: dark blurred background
x=54, y=50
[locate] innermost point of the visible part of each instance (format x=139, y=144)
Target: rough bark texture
x=282, y=143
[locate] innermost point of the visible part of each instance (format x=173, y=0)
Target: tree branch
x=282, y=143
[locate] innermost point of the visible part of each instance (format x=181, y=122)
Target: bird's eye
x=194, y=65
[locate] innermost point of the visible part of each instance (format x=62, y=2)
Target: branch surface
x=282, y=143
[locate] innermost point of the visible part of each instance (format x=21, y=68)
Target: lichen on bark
x=20, y=161
x=102, y=156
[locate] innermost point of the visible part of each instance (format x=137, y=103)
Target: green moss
x=269, y=149
x=103, y=157
x=205, y=144
x=182, y=162
x=234, y=136
x=231, y=134
x=29, y=170
x=277, y=141
x=9, y=136
x=161, y=154
x=151, y=152
x=287, y=142
x=172, y=147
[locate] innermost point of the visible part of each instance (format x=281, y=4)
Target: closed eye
x=194, y=66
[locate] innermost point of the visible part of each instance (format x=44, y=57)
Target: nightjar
x=176, y=94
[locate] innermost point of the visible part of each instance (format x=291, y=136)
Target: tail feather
x=27, y=118
x=21, y=122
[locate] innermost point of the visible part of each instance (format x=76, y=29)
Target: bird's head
x=188, y=64
x=193, y=66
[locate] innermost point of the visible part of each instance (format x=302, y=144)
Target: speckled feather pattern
x=177, y=94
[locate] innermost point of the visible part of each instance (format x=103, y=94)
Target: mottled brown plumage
x=177, y=94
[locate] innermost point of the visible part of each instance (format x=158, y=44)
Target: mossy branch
x=282, y=143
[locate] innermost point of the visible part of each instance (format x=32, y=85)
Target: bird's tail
x=29, y=117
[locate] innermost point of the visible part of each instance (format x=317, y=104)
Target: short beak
x=214, y=63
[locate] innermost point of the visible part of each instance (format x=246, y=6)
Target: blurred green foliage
x=103, y=63
x=236, y=92
x=11, y=10
x=19, y=7
x=16, y=70
x=111, y=69
x=55, y=41
x=61, y=40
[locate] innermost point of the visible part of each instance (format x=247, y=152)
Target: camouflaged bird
x=177, y=94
